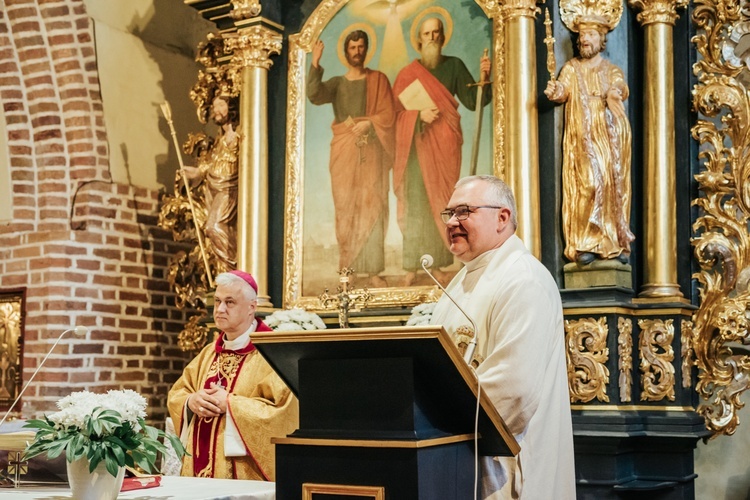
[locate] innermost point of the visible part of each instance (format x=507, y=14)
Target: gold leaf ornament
x=576, y=13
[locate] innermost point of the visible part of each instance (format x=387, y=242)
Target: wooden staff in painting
x=478, y=116
x=167, y=111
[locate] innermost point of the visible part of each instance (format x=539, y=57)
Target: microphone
x=426, y=261
x=79, y=331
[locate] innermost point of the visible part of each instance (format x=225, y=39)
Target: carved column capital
x=657, y=11
x=245, y=9
x=512, y=9
x=253, y=47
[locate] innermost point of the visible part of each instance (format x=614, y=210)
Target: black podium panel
x=364, y=381
x=383, y=383
x=385, y=414
x=442, y=472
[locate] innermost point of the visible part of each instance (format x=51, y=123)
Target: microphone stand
x=426, y=261
x=79, y=331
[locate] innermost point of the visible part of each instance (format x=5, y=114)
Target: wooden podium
x=385, y=413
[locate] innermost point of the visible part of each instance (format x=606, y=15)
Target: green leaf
x=118, y=453
x=34, y=450
x=56, y=448
x=75, y=448
x=39, y=424
x=113, y=463
x=144, y=460
x=151, y=432
x=95, y=456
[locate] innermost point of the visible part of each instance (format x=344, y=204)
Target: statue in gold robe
x=217, y=168
x=596, y=150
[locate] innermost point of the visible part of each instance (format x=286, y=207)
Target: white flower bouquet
x=421, y=314
x=107, y=428
x=294, y=319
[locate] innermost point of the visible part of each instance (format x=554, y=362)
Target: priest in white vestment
x=520, y=351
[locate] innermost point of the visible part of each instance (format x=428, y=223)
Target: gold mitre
x=577, y=14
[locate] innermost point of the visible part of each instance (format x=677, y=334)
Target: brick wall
x=87, y=250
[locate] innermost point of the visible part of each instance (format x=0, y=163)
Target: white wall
x=723, y=464
x=145, y=54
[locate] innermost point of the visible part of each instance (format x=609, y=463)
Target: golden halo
x=439, y=12
x=371, y=46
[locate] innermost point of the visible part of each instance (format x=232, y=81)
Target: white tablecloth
x=171, y=488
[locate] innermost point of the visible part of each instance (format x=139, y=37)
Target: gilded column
x=253, y=44
x=660, y=236
x=521, y=122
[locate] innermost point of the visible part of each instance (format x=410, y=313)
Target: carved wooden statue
x=217, y=169
x=597, y=139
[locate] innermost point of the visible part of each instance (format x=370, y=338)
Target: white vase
x=97, y=485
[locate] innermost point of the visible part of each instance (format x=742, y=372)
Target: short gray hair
x=230, y=279
x=500, y=194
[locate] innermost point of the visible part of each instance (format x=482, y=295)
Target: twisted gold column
x=521, y=122
x=256, y=40
x=660, y=236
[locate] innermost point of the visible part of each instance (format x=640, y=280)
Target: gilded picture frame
x=310, y=244
x=12, y=308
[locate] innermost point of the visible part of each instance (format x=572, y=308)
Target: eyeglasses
x=461, y=212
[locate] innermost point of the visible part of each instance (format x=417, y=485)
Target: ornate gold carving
x=607, y=12
x=382, y=298
x=187, y=274
x=490, y=7
x=722, y=242
x=215, y=79
x=253, y=47
x=625, y=360
x=299, y=45
x=295, y=126
x=493, y=10
x=686, y=350
x=498, y=98
x=323, y=13
x=11, y=346
x=245, y=9
x=511, y=9
x=657, y=371
x=194, y=336
x=657, y=11
x=587, y=355
x=462, y=337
